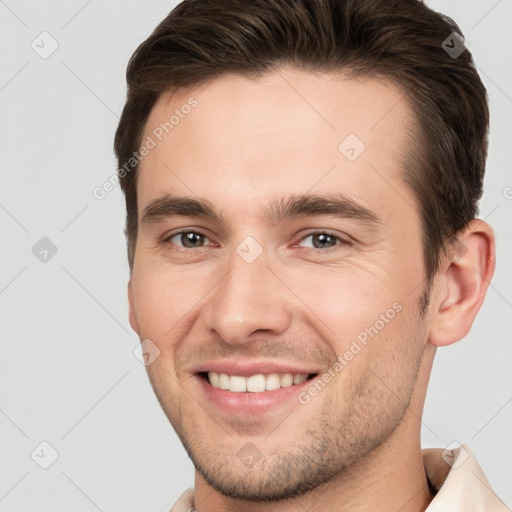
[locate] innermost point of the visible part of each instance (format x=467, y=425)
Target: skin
x=356, y=444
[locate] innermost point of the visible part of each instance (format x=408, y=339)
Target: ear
x=131, y=315
x=462, y=283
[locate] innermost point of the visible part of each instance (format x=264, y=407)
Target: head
x=270, y=131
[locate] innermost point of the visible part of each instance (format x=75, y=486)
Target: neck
x=392, y=478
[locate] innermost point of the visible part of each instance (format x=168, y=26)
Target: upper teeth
x=255, y=383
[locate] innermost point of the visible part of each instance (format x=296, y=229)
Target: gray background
x=68, y=375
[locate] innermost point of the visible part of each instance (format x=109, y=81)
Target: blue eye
x=324, y=240
x=321, y=240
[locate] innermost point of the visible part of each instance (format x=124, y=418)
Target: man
x=301, y=184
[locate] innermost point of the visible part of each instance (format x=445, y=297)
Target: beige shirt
x=455, y=474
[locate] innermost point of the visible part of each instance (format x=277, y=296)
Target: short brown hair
x=401, y=40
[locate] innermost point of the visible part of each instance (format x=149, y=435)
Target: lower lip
x=247, y=403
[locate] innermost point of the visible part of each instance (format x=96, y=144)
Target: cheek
x=162, y=301
x=169, y=299
x=343, y=302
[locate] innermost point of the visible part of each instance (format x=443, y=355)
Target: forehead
x=238, y=141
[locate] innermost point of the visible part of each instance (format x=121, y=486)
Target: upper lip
x=247, y=368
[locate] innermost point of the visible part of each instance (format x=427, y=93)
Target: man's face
x=268, y=295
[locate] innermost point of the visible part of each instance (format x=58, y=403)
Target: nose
x=249, y=299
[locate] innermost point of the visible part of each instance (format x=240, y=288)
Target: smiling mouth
x=257, y=383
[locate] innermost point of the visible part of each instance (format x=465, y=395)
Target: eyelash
x=341, y=241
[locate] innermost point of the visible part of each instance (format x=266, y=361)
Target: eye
x=323, y=240
x=187, y=239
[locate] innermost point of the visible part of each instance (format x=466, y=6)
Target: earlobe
x=464, y=278
x=131, y=304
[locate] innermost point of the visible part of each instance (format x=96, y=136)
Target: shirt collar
x=459, y=481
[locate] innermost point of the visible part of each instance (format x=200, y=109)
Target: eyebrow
x=306, y=205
